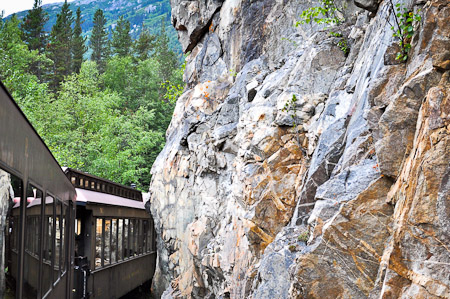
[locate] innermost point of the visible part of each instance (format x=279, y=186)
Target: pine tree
x=60, y=46
x=121, y=39
x=144, y=45
x=166, y=57
x=33, y=28
x=99, y=41
x=78, y=44
x=34, y=35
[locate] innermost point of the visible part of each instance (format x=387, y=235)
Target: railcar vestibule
x=115, y=248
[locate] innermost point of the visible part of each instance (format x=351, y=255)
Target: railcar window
x=140, y=239
x=73, y=180
x=136, y=237
x=57, y=239
x=145, y=235
x=151, y=235
x=32, y=242
x=77, y=226
x=120, y=239
x=131, y=237
x=11, y=192
x=49, y=232
x=63, y=237
x=126, y=247
x=113, y=240
x=98, y=243
x=107, y=239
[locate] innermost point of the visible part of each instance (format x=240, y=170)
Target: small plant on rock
x=343, y=43
x=327, y=13
x=290, y=106
x=232, y=73
x=292, y=247
x=404, y=21
x=304, y=237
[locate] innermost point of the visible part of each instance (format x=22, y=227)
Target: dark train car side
x=115, y=248
x=37, y=205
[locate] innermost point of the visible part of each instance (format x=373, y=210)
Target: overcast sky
x=12, y=6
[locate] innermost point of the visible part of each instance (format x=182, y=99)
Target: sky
x=12, y=6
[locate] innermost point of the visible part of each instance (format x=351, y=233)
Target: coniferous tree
x=166, y=57
x=121, y=39
x=99, y=41
x=144, y=45
x=78, y=43
x=33, y=28
x=34, y=35
x=61, y=45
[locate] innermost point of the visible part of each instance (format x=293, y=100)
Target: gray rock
x=5, y=199
x=236, y=181
x=370, y=5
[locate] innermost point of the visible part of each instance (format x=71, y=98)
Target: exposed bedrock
x=5, y=199
x=295, y=170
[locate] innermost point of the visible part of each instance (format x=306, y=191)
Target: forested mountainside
x=139, y=13
x=309, y=156
x=102, y=103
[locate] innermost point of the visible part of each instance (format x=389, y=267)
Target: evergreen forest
x=101, y=102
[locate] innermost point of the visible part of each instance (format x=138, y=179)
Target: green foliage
x=110, y=122
x=304, y=237
x=60, y=50
x=78, y=43
x=99, y=41
x=33, y=28
x=342, y=43
x=232, y=72
x=290, y=40
x=16, y=60
x=121, y=39
x=292, y=247
x=166, y=57
x=291, y=107
x=144, y=46
x=404, y=20
x=140, y=14
x=327, y=13
x=174, y=89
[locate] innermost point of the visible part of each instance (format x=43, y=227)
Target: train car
x=115, y=249
x=37, y=210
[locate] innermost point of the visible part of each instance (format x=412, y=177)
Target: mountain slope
x=149, y=13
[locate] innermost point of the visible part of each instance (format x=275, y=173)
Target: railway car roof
x=24, y=153
x=89, y=196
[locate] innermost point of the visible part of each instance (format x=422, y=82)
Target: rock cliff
x=294, y=169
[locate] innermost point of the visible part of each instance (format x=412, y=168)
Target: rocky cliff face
x=344, y=194
x=5, y=197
